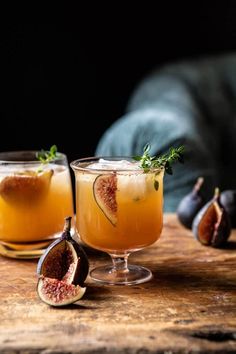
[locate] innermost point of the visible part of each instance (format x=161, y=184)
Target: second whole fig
x=191, y=204
x=228, y=200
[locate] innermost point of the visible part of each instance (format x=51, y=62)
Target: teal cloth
x=192, y=103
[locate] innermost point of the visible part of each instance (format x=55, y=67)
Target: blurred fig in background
x=191, y=204
x=228, y=200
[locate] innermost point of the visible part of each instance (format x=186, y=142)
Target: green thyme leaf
x=165, y=161
x=47, y=156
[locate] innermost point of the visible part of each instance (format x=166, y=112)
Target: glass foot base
x=23, y=251
x=109, y=276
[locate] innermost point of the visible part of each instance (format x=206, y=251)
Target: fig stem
x=198, y=184
x=217, y=193
x=67, y=226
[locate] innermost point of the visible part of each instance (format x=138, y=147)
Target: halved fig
x=25, y=186
x=104, y=191
x=58, y=293
x=211, y=226
x=62, y=270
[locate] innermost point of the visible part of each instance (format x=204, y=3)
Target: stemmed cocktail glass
x=118, y=211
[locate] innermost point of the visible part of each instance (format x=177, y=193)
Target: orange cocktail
x=119, y=206
x=137, y=221
x=34, y=201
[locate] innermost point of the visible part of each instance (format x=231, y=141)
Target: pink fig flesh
x=104, y=191
x=56, y=292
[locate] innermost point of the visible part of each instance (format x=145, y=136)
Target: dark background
x=67, y=75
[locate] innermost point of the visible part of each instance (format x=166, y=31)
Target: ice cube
x=132, y=186
x=103, y=164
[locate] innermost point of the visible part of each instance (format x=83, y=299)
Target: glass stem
x=120, y=263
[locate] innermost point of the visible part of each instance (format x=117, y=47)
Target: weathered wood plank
x=188, y=307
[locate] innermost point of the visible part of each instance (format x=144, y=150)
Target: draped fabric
x=191, y=103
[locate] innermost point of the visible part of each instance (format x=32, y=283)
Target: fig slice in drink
x=104, y=190
x=25, y=186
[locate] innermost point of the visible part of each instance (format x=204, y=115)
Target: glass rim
x=77, y=165
x=15, y=153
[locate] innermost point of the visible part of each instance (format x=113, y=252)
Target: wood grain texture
x=188, y=307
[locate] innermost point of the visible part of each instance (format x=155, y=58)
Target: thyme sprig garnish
x=47, y=156
x=165, y=161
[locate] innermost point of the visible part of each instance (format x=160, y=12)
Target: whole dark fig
x=191, y=204
x=228, y=200
x=211, y=226
x=62, y=270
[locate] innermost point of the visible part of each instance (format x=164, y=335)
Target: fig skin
x=62, y=268
x=191, y=204
x=81, y=270
x=211, y=226
x=228, y=200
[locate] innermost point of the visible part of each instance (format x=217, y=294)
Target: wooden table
x=188, y=307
